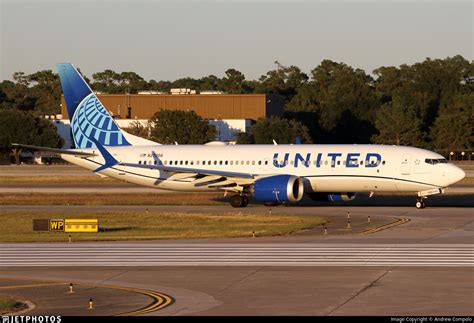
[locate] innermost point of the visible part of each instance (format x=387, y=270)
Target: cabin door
x=406, y=161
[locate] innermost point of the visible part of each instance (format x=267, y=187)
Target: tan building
x=216, y=106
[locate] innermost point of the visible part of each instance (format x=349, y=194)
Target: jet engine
x=279, y=189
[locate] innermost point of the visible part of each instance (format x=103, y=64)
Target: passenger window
x=226, y=162
x=266, y=162
x=140, y=162
x=383, y=162
x=186, y=162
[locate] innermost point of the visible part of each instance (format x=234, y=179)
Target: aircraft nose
x=454, y=174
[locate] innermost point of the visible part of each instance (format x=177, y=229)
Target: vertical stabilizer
x=90, y=121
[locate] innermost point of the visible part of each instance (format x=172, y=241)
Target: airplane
x=270, y=174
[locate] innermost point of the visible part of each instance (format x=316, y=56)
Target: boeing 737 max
x=268, y=173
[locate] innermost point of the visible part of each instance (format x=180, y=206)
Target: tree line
x=427, y=104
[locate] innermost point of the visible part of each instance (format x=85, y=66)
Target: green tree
x=20, y=127
x=209, y=83
x=46, y=88
x=183, y=127
x=162, y=86
x=131, y=82
x=283, y=131
x=136, y=128
x=232, y=82
x=106, y=81
x=338, y=104
x=426, y=86
x=16, y=96
x=110, y=81
x=453, y=128
x=284, y=81
x=397, y=124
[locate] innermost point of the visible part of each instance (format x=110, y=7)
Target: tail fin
x=90, y=121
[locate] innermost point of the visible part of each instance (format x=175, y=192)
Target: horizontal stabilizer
x=56, y=150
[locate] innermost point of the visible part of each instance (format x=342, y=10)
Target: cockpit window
x=434, y=161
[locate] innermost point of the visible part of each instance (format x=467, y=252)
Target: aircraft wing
x=204, y=177
x=56, y=150
x=190, y=170
x=232, y=181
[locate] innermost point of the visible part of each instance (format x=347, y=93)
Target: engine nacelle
x=279, y=189
x=332, y=197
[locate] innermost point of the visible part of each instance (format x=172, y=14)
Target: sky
x=167, y=40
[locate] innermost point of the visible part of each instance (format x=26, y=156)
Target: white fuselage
x=324, y=168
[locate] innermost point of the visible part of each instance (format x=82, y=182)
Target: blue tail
x=90, y=121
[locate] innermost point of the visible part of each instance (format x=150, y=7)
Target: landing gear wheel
x=420, y=204
x=246, y=201
x=237, y=201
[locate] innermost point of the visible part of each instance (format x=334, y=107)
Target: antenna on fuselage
x=274, y=142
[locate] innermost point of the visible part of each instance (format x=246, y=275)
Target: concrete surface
x=258, y=289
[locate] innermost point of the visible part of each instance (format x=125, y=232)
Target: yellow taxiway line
x=159, y=300
x=386, y=226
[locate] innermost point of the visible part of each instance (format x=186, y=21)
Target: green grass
x=17, y=226
x=6, y=303
x=51, y=179
x=112, y=199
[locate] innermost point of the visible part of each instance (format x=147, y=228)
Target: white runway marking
x=146, y=254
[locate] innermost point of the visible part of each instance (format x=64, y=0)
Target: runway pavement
x=213, y=254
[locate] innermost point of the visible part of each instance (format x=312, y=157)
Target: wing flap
x=178, y=176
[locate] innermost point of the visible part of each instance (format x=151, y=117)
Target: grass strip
x=17, y=226
x=112, y=199
x=52, y=179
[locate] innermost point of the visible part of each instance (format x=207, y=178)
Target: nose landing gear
x=420, y=203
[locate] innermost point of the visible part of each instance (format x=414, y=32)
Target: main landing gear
x=239, y=201
x=420, y=203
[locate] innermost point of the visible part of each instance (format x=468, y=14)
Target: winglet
x=109, y=159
